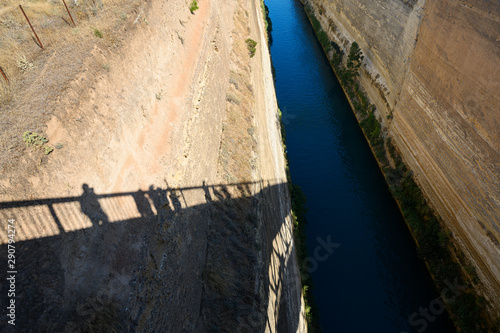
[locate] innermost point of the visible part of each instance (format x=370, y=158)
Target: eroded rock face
x=433, y=66
x=166, y=208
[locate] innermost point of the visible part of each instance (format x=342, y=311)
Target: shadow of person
x=226, y=193
x=155, y=196
x=142, y=203
x=208, y=197
x=90, y=206
x=176, y=203
x=159, y=198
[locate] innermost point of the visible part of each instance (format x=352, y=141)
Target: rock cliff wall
x=165, y=207
x=431, y=68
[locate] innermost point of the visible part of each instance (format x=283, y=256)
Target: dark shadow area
x=91, y=208
x=36, y=42
x=66, y=22
x=173, y=267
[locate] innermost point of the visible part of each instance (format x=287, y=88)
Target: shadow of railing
x=149, y=255
x=52, y=216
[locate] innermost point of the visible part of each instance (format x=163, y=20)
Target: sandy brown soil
x=166, y=206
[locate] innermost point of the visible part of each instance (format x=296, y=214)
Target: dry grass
x=5, y=92
x=30, y=97
x=53, y=26
x=15, y=34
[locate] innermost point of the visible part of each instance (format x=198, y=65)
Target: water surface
x=374, y=281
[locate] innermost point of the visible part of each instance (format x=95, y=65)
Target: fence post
x=27, y=19
x=71, y=17
x=4, y=76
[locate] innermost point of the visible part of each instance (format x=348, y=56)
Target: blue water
x=373, y=280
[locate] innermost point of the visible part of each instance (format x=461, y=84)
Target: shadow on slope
x=201, y=258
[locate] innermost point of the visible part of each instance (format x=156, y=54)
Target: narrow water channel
x=373, y=281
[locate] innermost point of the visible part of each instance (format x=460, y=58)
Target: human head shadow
x=91, y=208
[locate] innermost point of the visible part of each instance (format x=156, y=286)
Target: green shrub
x=35, y=140
x=267, y=22
x=320, y=33
x=193, y=6
x=48, y=150
x=97, y=32
x=251, y=46
x=354, y=59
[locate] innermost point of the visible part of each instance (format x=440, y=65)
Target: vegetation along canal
x=366, y=273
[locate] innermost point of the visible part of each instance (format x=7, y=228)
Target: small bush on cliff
x=337, y=55
x=320, y=33
x=33, y=139
x=355, y=57
x=251, y=46
x=23, y=64
x=193, y=6
x=97, y=32
x=267, y=22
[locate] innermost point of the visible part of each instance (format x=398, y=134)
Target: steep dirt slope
x=167, y=208
x=431, y=69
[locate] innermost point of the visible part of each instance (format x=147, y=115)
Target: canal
x=373, y=281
